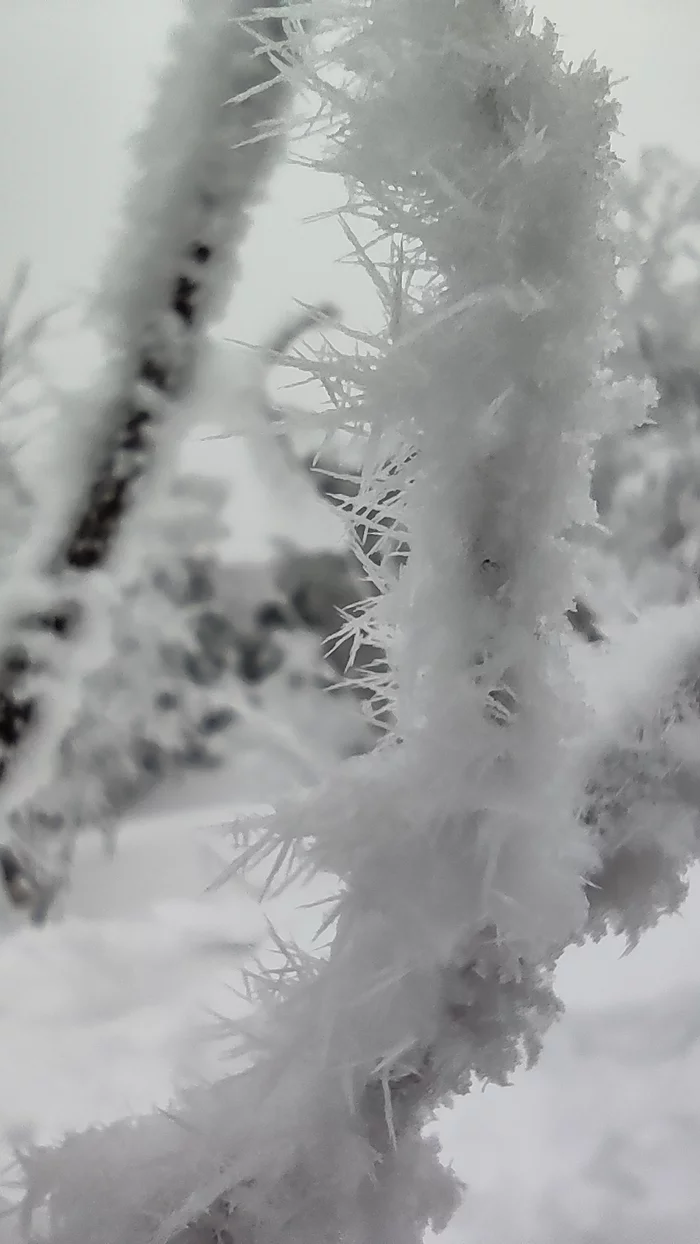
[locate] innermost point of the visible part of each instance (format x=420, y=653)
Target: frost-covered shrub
x=205, y=662
x=161, y=701
x=193, y=646
x=645, y=480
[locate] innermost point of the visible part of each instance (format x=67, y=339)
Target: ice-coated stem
x=458, y=845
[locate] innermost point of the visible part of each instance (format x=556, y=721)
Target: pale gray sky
x=74, y=76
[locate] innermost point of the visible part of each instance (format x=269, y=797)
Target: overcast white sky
x=73, y=82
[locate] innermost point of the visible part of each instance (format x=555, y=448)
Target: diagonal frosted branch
x=201, y=160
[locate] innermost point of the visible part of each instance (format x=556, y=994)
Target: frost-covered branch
x=458, y=844
x=209, y=141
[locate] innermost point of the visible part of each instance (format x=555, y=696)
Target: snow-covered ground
x=96, y=1011
x=599, y=1143
x=107, y=1011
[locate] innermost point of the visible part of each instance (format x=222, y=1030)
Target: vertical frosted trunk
x=458, y=844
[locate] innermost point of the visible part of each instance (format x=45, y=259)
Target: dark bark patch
x=183, y=298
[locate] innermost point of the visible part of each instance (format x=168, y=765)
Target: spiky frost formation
x=457, y=844
x=213, y=130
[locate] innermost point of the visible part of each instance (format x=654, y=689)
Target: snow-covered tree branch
x=462, y=846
